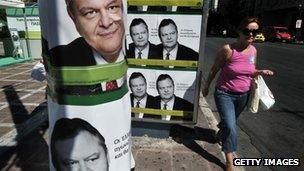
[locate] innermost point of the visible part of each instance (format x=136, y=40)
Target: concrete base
x=156, y=130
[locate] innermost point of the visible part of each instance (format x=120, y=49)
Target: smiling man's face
x=100, y=22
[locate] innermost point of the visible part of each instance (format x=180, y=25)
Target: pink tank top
x=236, y=74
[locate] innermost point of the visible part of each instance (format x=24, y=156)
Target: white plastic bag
x=253, y=104
x=260, y=96
x=265, y=95
x=38, y=72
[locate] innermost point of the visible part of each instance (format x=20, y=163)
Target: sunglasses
x=248, y=32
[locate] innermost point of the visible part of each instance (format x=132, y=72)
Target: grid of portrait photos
x=163, y=54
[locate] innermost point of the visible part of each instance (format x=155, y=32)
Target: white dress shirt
x=142, y=102
x=173, y=53
x=169, y=104
x=144, y=52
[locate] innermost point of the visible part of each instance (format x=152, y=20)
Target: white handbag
x=260, y=96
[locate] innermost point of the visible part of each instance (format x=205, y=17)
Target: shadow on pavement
x=30, y=149
x=187, y=136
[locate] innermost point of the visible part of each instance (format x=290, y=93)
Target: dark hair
x=66, y=128
x=163, y=77
x=164, y=23
x=136, y=75
x=246, y=21
x=135, y=22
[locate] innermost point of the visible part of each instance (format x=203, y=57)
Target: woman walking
x=237, y=63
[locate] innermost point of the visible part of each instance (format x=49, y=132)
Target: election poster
x=17, y=52
x=151, y=88
x=187, y=34
x=87, y=93
x=163, y=57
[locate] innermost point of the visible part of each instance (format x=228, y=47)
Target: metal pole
x=26, y=35
x=300, y=33
x=202, y=57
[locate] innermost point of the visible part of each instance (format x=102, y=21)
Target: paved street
x=278, y=132
x=22, y=109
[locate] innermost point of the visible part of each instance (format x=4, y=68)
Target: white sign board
x=298, y=23
x=33, y=23
x=12, y=3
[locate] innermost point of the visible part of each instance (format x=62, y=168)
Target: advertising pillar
x=87, y=94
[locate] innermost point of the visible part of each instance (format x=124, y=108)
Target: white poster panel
x=163, y=55
x=12, y=3
x=17, y=52
x=88, y=103
x=188, y=26
x=154, y=88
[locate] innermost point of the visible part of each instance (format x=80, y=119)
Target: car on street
x=259, y=38
x=274, y=33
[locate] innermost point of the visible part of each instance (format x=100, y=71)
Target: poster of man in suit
x=89, y=48
x=141, y=48
x=139, y=96
x=169, y=47
x=166, y=99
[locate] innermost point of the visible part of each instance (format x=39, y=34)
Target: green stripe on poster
x=155, y=62
x=33, y=35
x=189, y=3
x=161, y=112
x=88, y=75
x=89, y=100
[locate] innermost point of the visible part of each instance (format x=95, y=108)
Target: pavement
x=24, y=132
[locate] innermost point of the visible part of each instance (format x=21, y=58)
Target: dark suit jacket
x=183, y=53
x=151, y=103
x=76, y=53
x=153, y=53
x=179, y=104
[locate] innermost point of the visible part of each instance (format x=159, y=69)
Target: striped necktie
x=139, y=55
x=167, y=56
x=137, y=104
x=165, y=106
